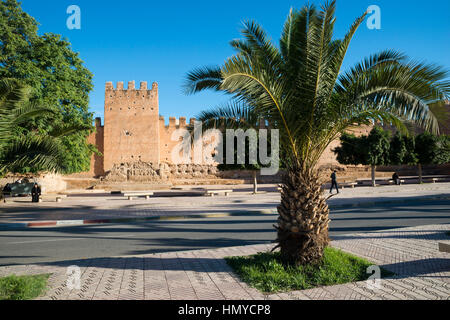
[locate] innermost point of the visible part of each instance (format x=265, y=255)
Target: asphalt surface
x=41, y=245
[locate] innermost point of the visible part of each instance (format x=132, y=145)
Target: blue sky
x=161, y=41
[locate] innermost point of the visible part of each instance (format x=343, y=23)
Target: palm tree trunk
x=420, y=173
x=303, y=218
x=255, y=183
x=373, y=168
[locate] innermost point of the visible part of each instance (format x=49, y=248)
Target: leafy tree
x=423, y=149
x=370, y=150
x=376, y=149
x=410, y=158
x=427, y=150
x=299, y=88
x=443, y=155
x=398, y=149
x=56, y=74
x=349, y=151
x=402, y=150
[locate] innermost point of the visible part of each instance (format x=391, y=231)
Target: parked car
x=21, y=189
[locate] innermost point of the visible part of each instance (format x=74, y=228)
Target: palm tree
x=16, y=149
x=300, y=90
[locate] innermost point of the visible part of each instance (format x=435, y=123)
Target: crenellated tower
x=131, y=127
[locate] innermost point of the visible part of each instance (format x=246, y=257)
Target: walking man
x=334, y=182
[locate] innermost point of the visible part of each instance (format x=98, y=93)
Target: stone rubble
x=149, y=172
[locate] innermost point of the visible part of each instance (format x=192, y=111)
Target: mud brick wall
x=131, y=130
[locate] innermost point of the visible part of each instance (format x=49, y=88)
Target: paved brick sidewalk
x=422, y=272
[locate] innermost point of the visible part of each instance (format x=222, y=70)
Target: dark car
x=21, y=189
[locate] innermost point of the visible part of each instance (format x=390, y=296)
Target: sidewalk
x=103, y=208
x=422, y=272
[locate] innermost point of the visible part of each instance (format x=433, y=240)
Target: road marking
x=36, y=241
x=69, y=223
x=63, y=239
x=119, y=236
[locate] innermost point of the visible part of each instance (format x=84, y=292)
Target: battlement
x=182, y=123
x=120, y=98
x=175, y=123
x=98, y=122
x=131, y=86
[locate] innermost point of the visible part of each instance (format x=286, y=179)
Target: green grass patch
x=264, y=271
x=22, y=287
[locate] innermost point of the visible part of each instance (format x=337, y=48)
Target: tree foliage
x=57, y=77
x=443, y=155
x=366, y=150
x=426, y=148
x=402, y=150
x=375, y=147
x=349, y=152
x=378, y=149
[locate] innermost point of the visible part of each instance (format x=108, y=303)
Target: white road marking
x=63, y=239
x=36, y=241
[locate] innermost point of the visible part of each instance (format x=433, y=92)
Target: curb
x=69, y=223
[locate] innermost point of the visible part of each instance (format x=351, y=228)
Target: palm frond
x=26, y=151
x=203, y=78
x=30, y=110
x=12, y=93
x=33, y=151
x=405, y=88
x=68, y=129
x=233, y=115
x=260, y=45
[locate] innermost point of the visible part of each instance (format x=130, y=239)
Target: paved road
x=68, y=243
